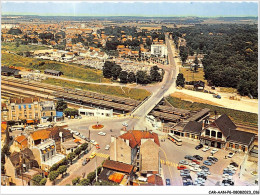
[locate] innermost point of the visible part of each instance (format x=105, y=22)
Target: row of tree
x=231, y=50
x=112, y=70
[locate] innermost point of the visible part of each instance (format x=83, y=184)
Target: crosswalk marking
x=168, y=163
x=102, y=155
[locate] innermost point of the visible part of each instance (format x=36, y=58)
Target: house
x=6, y=71
x=192, y=129
x=155, y=180
x=117, y=172
x=139, y=148
x=68, y=146
x=159, y=50
x=53, y=72
x=4, y=130
x=222, y=133
x=20, y=143
x=199, y=85
x=21, y=167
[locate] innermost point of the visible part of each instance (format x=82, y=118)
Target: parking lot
x=173, y=153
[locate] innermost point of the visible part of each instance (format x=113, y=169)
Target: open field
x=22, y=48
x=189, y=75
x=69, y=70
x=190, y=98
x=137, y=94
x=246, y=118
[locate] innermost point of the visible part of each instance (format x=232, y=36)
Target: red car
x=197, y=162
x=181, y=167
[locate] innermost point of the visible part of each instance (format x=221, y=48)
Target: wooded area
x=231, y=54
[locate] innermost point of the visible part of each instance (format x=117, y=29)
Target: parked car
x=198, y=157
x=97, y=146
x=187, y=183
x=230, y=155
x=181, y=167
x=206, y=148
x=204, y=167
x=102, y=133
x=197, y=162
x=125, y=124
x=214, y=150
x=195, y=169
x=192, y=164
x=189, y=157
x=93, y=154
x=199, y=147
x=234, y=164
x=212, y=158
x=206, y=162
x=183, y=162
x=168, y=182
x=85, y=161
x=107, y=147
x=183, y=174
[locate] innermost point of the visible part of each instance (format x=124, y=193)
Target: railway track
x=83, y=98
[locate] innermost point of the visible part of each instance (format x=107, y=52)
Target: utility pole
x=96, y=169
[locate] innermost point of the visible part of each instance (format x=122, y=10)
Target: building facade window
x=219, y=134
x=213, y=133
x=237, y=146
x=231, y=145
x=207, y=132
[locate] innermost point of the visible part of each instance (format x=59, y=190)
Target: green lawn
x=137, y=94
x=237, y=116
x=22, y=48
x=70, y=70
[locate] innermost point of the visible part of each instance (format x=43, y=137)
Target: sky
x=159, y=9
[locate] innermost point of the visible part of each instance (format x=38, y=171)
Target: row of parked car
x=228, y=174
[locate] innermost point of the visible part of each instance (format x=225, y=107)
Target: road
x=166, y=87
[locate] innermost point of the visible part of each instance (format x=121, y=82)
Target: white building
x=152, y=120
x=159, y=50
x=96, y=112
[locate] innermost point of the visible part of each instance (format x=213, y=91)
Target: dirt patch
x=190, y=98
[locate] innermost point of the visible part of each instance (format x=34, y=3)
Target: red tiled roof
x=22, y=140
x=135, y=136
x=41, y=134
x=118, y=166
x=24, y=100
x=155, y=180
x=116, y=177
x=3, y=127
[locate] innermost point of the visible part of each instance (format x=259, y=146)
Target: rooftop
x=118, y=166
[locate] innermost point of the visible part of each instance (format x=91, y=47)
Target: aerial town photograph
x=161, y=95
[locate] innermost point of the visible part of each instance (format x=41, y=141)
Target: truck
x=216, y=96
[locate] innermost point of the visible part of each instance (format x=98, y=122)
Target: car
x=212, y=161
x=87, y=139
x=183, y=174
x=214, y=150
x=206, y=162
x=189, y=157
x=198, y=157
x=85, y=161
x=231, y=167
x=230, y=155
x=76, y=133
x=168, y=182
x=192, y=164
x=212, y=158
x=187, y=183
x=234, y=164
x=202, y=176
x=195, y=169
x=199, y=147
x=197, y=162
x=92, y=141
x=107, y=147
x=225, y=175
x=184, y=162
x=204, y=168
x=125, y=124
x=185, y=171
x=93, y=154
x=227, y=172
x=102, y=133
x=186, y=177
x=206, y=148
x=181, y=167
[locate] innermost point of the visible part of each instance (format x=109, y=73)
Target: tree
x=61, y=105
x=196, y=62
x=180, y=80
x=141, y=76
x=43, y=181
x=62, y=169
x=105, y=183
x=84, y=146
x=107, y=69
x=54, y=167
x=76, y=181
x=53, y=175
x=77, y=151
x=17, y=44
x=131, y=77
x=71, y=156
x=155, y=75
x=36, y=180
x=70, y=112
x=91, y=176
x=84, y=182
x=116, y=70
x=123, y=77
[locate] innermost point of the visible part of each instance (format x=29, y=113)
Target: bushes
x=75, y=181
x=91, y=176
x=53, y=175
x=70, y=112
x=38, y=180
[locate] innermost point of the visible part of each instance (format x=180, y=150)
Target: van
x=17, y=127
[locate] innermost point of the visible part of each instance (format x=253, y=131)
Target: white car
x=230, y=155
x=231, y=167
x=192, y=164
x=107, y=147
x=195, y=169
x=206, y=149
x=92, y=141
x=125, y=124
x=76, y=133
x=102, y=133
x=215, y=150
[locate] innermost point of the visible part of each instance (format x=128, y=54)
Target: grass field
x=227, y=90
x=137, y=94
x=237, y=116
x=22, y=48
x=69, y=70
x=189, y=75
